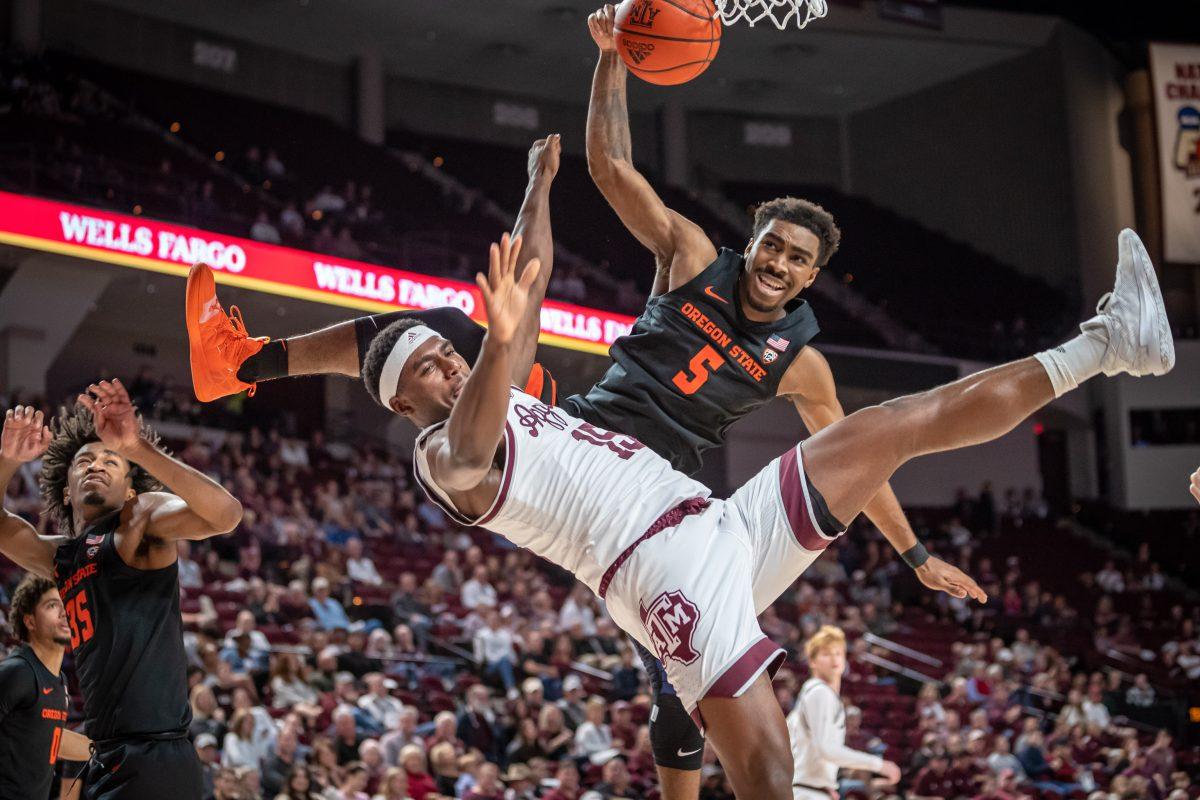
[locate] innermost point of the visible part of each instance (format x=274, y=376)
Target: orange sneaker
x=218, y=342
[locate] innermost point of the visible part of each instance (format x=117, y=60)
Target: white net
x=779, y=12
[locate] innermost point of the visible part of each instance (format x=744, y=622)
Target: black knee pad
x=677, y=742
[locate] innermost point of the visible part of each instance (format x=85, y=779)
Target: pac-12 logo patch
x=670, y=619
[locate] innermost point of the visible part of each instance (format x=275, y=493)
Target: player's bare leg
x=850, y=460
x=750, y=736
x=678, y=784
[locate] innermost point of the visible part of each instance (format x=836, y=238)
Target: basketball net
x=780, y=12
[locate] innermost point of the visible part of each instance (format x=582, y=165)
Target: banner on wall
x=141, y=243
x=1175, y=72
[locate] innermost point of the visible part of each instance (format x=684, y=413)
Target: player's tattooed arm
x=24, y=438
x=809, y=384
x=197, y=507
x=462, y=454
x=672, y=238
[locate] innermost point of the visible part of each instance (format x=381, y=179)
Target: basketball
x=667, y=42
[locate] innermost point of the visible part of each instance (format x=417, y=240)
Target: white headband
x=405, y=346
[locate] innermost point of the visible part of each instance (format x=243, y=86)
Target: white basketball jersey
x=575, y=494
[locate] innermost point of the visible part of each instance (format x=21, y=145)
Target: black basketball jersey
x=33, y=710
x=693, y=365
x=126, y=635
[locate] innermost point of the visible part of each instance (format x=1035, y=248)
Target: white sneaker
x=1131, y=318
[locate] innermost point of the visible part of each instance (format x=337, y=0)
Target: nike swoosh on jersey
x=708, y=290
x=682, y=754
x=48, y=691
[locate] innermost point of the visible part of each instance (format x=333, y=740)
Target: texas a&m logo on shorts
x=670, y=620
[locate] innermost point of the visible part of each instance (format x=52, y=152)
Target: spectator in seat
x=487, y=786
x=394, y=785
x=615, y=782
x=444, y=725
x=1110, y=578
x=593, y=735
x=346, y=738
x=359, y=567
x=568, y=788
x=353, y=784
x=328, y=612
x=554, y=737
x=447, y=573
x=207, y=714
x=289, y=689
x=210, y=760
x=420, y=782
x=478, y=592
x=284, y=758
x=345, y=246
x=263, y=231
x=444, y=768
x=1002, y=760
x=240, y=748
x=190, y=576
x=495, y=649
x=378, y=703
x=1141, y=694
x=477, y=725
x=933, y=781
x=573, y=702
x=403, y=735
x=292, y=221
x=1094, y=709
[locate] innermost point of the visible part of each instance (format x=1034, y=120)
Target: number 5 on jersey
x=703, y=364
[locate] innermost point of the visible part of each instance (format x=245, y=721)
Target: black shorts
x=140, y=769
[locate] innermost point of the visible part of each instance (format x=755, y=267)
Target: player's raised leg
x=750, y=736
x=226, y=359
x=851, y=459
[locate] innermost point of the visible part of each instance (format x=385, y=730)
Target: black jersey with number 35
x=126, y=635
x=693, y=365
x=33, y=710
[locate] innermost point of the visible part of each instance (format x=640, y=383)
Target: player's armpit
x=809, y=384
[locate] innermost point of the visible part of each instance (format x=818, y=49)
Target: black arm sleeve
x=18, y=686
x=464, y=333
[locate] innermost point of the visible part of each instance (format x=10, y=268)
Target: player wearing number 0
x=817, y=723
x=115, y=567
x=33, y=695
x=684, y=573
x=724, y=333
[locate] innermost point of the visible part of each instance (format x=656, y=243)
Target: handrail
x=892, y=666
x=900, y=649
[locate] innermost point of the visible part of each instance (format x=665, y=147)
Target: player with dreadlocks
x=114, y=562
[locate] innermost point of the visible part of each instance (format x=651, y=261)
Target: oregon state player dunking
x=115, y=568
x=33, y=694
x=683, y=572
x=725, y=334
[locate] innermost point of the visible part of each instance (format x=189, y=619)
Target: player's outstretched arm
x=25, y=437
x=197, y=507
x=537, y=244
x=810, y=386
x=461, y=458
x=674, y=239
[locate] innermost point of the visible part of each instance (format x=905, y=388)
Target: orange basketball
x=667, y=41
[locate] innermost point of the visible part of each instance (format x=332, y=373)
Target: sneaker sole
x=196, y=297
x=1147, y=280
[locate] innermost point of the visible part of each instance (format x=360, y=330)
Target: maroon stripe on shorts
x=763, y=653
x=795, y=502
x=669, y=519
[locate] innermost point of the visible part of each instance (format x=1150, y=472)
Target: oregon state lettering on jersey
x=126, y=636
x=693, y=365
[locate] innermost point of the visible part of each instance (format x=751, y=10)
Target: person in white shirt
x=1094, y=710
x=593, y=735
x=817, y=724
x=360, y=568
x=378, y=704
x=495, y=648
x=478, y=592
x=577, y=610
x=246, y=624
